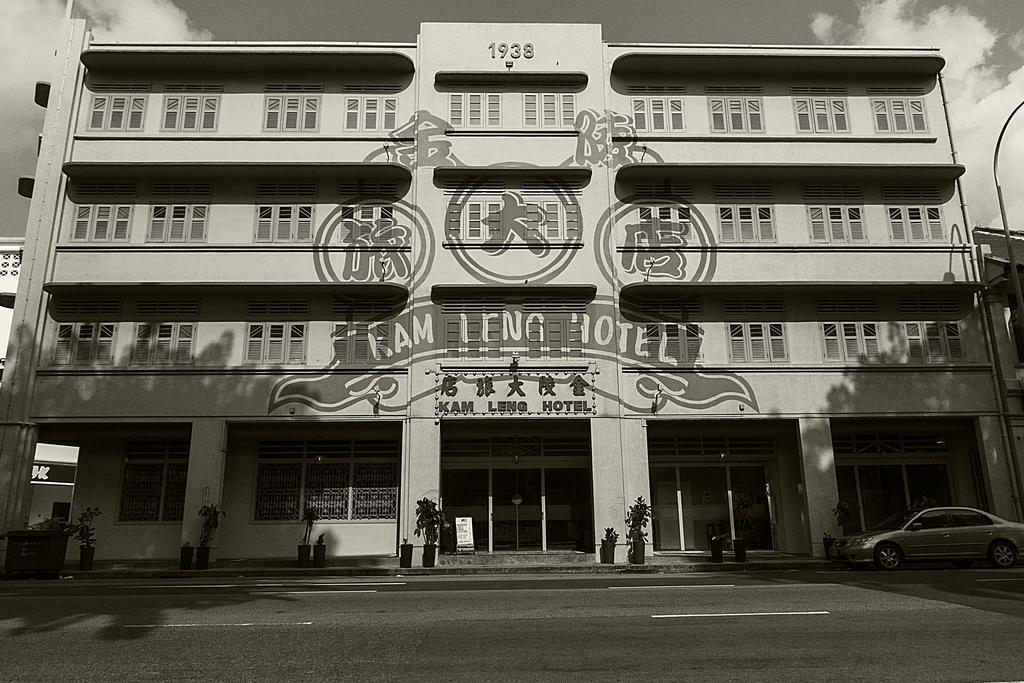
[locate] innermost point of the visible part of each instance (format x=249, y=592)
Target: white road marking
x=736, y=614
x=359, y=583
x=268, y=623
x=313, y=592
x=1020, y=579
x=708, y=585
x=196, y=585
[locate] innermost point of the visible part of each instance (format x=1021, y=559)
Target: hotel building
x=513, y=268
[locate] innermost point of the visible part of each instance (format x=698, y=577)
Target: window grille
x=340, y=480
x=84, y=344
x=85, y=309
x=104, y=188
x=928, y=306
x=846, y=307
x=102, y=223
x=182, y=189
x=836, y=223
x=178, y=223
x=167, y=308
x=279, y=308
x=286, y=190
x=915, y=224
x=117, y=112
x=911, y=193
x=153, y=481
x=746, y=223
x=757, y=342
x=753, y=307
x=833, y=193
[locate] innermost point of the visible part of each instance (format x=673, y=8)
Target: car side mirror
x=916, y=526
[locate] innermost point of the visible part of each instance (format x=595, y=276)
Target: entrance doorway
x=692, y=503
x=523, y=493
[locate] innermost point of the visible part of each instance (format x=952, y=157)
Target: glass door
x=705, y=505
x=516, y=519
x=465, y=495
x=568, y=516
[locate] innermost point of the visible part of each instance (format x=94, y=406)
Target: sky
x=982, y=41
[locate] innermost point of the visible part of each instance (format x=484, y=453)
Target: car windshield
x=897, y=521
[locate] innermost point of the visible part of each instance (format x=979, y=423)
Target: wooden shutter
x=183, y=349
x=296, y=343
x=777, y=341
x=726, y=223
x=737, y=342
x=197, y=226
x=830, y=335
x=254, y=343
x=158, y=224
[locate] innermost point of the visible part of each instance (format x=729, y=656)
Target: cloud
x=28, y=36
x=981, y=93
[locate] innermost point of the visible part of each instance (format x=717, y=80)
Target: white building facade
x=513, y=268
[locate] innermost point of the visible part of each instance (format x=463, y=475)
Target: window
x=752, y=342
x=746, y=223
x=190, y=112
x=499, y=218
x=163, y=343
x=474, y=110
x=360, y=222
x=284, y=223
x=671, y=342
x=915, y=224
x=661, y=225
x=153, y=482
x=84, y=344
x=657, y=113
x=553, y=336
x=291, y=113
x=735, y=114
x=276, y=344
x=549, y=110
x=850, y=341
x=836, y=223
x=969, y=518
x=370, y=113
x=899, y=115
x=933, y=341
x=533, y=329
x=936, y=519
x=102, y=223
x=340, y=480
x=177, y=223
x=361, y=342
x=117, y=112
x=820, y=114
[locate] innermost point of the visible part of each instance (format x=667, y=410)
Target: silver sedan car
x=960, y=534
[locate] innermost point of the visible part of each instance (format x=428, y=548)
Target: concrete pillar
x=205, y=483
x=17, y=450
x=819, y=473
x=421, y=471
x=998, y=470
x=620, y=474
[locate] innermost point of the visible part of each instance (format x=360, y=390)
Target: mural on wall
x=489, y=230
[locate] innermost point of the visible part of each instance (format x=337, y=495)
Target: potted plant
x=637, y=516
x=185, y=556
x=85, y=533
x=211, y=515
x=611, y=537
x=320, y=552
x=842, y=512
x=744, y=525
x=405, y=554
x=428, y=523
x=309, y=517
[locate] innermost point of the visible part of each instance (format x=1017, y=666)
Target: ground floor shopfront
x=528, y=485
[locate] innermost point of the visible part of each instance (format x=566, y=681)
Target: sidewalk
x=375, y=567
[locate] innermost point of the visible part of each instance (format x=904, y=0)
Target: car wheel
x=963, y=564
x=1002, y=554
x=888, y=556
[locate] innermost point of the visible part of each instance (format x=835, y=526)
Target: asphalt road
x=920, y=624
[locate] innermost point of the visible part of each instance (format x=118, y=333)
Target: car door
x=971, y=533
x=927, y=536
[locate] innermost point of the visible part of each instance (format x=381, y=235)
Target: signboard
x=46, y=473
x=464, y=536
x=515, y=393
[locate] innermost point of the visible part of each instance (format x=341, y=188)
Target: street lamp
x=1014, y=277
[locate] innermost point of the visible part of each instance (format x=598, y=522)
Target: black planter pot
x=185, y=557
x=429, y=555
x=303, y=553
x=35, y=552
x=607, y=552
x=637, y=550
x=716, y=548
x=85, y=558
x=203, y=557
x=405, y=555
x=827, y=542
x=739, y=549
x=319, y=556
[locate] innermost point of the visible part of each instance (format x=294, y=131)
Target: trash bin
x=739, y=549
x=35, y=552
x=716, y=548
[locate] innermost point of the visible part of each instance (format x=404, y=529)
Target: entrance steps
x=517, y=558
